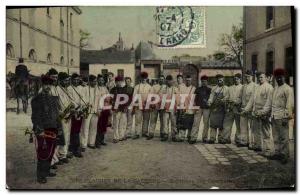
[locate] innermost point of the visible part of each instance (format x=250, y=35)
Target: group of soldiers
x=68, y=115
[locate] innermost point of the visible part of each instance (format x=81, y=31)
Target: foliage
x=84, y=38
x=231, y=45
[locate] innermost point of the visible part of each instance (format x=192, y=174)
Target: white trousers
x=129, y=123
x=84, y=133
x=119, y=123
x=63, y=150
x=92, y=130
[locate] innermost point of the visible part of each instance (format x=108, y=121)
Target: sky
x=138, y=24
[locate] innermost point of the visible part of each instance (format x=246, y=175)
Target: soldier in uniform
x=282, y=112
x=76, y=120
x=232, y=109
x=155, y=111
x=45, y=111
x=260, y=105
x=185, y=117
x=94, y=96
x=128, y=89
x=169, y=110
x=53, y=74
x=142, y=115
x=245, y=120
x=180, y=84
x=216, y=102
x=201, y=100
x=88, y=85
x=104, y=115
x=66, y=106
x=119, y=112
x=111, y=82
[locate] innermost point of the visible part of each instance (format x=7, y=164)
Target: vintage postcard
x=150, y=97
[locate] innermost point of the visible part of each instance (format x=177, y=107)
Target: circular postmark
x=174, y=25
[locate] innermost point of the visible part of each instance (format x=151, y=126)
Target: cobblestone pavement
x=143, y=164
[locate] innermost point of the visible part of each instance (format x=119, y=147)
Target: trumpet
x=67, y=112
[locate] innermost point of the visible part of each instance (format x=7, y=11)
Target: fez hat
x=46, y=80
x=204, y=77
x=169, y=78
x=219, y=76
x=92, y=77
x=144, y=75
x=119, y=78
x=279, y=72
x=238, y=75
x=248, y=73
x=52, y=71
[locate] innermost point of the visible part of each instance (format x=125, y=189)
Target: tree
x=84, y=38
x=231, y=45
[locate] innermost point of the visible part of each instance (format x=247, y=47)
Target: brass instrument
x=83, y=111
x=67, y=112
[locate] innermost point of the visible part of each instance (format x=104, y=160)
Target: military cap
x=144, y=75
x=179, y=75
x=46, y=80
x=62, y=76
x=119, y=78
x=238, y=75
x=169, y=78
x=219, y=76
x=204, y=77
x=52, y=71
x=92, y=77
x=249, y=73
x=74, y=75
x=279, y=72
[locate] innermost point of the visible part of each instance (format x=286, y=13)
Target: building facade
x=46, y=37
x=116, y=59
x=268, y=39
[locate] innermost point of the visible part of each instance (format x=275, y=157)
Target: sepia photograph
x=150, y=97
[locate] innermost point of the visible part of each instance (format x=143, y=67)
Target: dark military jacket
x=45, y=112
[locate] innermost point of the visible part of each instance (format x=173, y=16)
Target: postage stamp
x=180, y=27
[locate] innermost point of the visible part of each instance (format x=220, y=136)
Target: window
x=71, y=17
x=269, y=17
x=48, y=11
x=254, y=62
x=49, y=58
x=32, y=55
x=62, y=61
x=289, y=65
x=71, y=62
x=269, y=62
x=121, y=72
x=9, y=51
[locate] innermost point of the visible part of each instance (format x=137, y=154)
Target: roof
x=107, y=56
x=144, y=51
x=219, y=64
x=203, y=65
